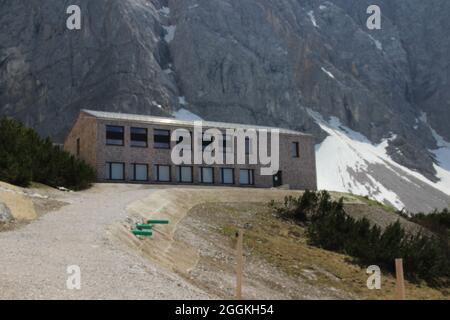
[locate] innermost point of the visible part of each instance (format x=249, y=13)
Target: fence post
x=239, y=261
x=400, y=287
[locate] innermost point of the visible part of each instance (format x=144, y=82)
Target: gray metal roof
x=177, y=122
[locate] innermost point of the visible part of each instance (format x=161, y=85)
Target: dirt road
x=34, y=258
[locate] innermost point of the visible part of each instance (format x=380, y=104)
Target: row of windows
x=161, y=138
x=184, y=174
x=115, y=136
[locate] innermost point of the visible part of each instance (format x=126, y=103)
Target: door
x=278, y=179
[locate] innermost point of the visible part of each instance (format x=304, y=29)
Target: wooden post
x=400, y=287
x=239, y=261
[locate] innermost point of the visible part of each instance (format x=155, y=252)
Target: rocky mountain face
x=48, y=73
x=254, y=61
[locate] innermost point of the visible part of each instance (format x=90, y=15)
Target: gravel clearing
x=34, y=258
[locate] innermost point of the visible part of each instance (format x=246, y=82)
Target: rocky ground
x=34, y=257
x=191, y=258
x=200, y=240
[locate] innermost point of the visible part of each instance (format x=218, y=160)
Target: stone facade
x=90, y=130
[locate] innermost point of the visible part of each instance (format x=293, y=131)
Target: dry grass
x=284, y=245
x=199, y=245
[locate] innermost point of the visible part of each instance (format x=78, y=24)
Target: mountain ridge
x=254, y=61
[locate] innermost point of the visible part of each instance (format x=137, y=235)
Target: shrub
x=437, y=222
x=297, y=208
x=25, y=157
x=329, y=227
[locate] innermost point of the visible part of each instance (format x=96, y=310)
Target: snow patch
x=313, y=18
x=328, y=73
x=377, y=43
x=346, y=154
x=170, y=33
x=182, y=100
x=165, y=11
x=186, y=115
x=442, y=154
x=156, y=104
x=423, y=117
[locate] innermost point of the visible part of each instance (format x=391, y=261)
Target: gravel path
x=34, y=259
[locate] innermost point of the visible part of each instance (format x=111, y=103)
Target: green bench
x=158, y=221
x=146, y=229
x=142, y=233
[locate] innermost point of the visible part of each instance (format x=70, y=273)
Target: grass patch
x=38, y=185
x=229, y=231
x=374, y=203
x=283, y=244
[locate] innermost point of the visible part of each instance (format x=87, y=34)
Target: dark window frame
x=297, y=149
x=157, y=179
x=123, y=136
x=180, y=176
x=168, y=142
x=247, y=146
x=78, y=147
x=224, y=142
x=131, y=138
x=109, y=165
x=222, y=175
x=201, y=175
x=133, y=165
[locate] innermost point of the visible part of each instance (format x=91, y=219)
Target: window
x=140, y=172
x=207, y=175
x=78, y=147
x=139, y=137
x=162, y=173
x=295, y=150
x=227, y=175
x=248, y=146
x=114, y=135
x=246, y=177
x=184, y=174
x=161, y=139
x=115, y=171
x=225, y=143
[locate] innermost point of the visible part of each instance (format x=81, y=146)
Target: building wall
x=85, y=129
x=298, y=173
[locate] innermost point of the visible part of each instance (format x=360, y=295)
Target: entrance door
x=278, y=179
